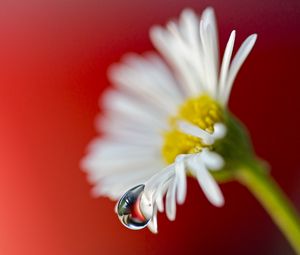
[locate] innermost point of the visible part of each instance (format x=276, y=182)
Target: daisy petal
x=171, y=201
x=237, y=62
x=212, y=160
x=153, y=222
x=207, y=182
x=180, y=181
x=209, y=17
x=225, y=64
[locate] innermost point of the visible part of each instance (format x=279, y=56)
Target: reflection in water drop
x=129, y=211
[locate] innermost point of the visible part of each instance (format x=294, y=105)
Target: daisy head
x=166, y=119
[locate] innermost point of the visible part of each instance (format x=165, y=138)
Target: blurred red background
x=53, y=61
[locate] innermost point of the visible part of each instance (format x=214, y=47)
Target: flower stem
x=269, y=194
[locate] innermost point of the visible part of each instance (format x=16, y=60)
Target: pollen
x=201, y=111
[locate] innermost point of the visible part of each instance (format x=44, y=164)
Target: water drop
x=129, y=211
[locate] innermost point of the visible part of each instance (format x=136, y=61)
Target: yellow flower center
x=201, y=111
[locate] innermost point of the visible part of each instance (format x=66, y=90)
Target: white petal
x=156, y=79
x=160, y=203
x=93, y=162
x=110, y=121
x=120, y=175
x=164, y=77
x=159, y=195
x=225, y=65
x=237, y=62
x=145, y=138
x=212, y=160
x=209, y=17
x=153, y=222
x=210, y=46
x=132, y=109
x=171, y=201
x=107, y=148
x=219, y=131
x=114, y=188
x=180, y=181
x=189, y=26
x=206, y=182
x=174, y=51
x=139, y=83
x=147, y=207
x=163, y=176
x=191, y=129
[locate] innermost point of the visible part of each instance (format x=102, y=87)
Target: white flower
x=152, y=97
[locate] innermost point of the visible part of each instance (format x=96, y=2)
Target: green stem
x=269, y=194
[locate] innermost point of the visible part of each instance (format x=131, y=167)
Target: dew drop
x=129, y=211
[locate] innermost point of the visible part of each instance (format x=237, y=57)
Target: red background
x=53, y=60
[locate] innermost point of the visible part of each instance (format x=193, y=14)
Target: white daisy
x=164, y=119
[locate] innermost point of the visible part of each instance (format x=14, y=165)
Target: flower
x=167, y=120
